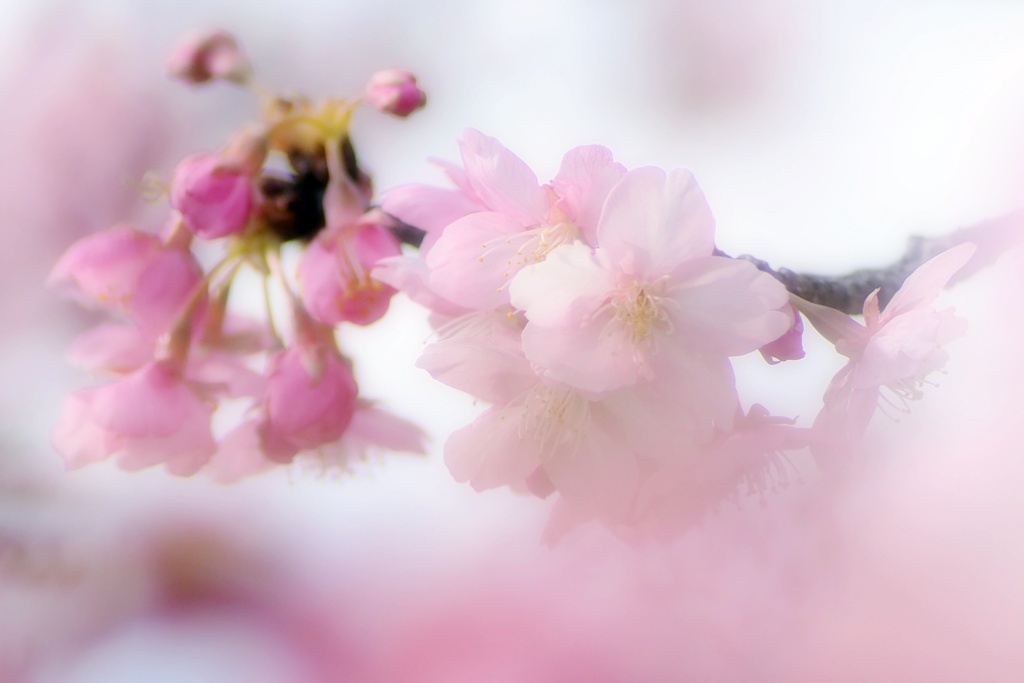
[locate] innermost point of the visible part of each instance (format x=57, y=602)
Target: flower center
x=527, y=247
x=554, y=417
x=640, y=309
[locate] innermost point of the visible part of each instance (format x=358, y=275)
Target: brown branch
x=848, y=292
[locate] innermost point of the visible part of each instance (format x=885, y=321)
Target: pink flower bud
x=395, y=91
x=202, y=57
x=214, y=199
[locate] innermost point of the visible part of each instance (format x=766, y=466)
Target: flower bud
x=214, y=199
x=309, y=402
x=395, y=91
x=202, y=57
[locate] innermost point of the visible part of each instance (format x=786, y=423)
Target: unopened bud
x=395, y=91
x=202, y=57
x=213, y=200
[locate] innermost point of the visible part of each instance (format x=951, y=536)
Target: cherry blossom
x=610, y=359
x=131, y=272
x=149, y=417
x=291, y=181
x=895, y=350
x=510, y=219
x=649, y=297
x=335, y=271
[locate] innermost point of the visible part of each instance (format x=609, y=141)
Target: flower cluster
x=178, y=350
x=594, y=314
x=597, y=317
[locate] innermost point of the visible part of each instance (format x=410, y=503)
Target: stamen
x=554, y=418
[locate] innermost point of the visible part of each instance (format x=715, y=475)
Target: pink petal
x=599, y=476
x=564, y=289
x=161, y=290
x=103, y=268
x=831, y=324
x=112, y=347
x=374, y=427
x=76, y=435
x=502, y=180
x=925, y=283
x=586, y=176
x=334, y=273
x=304, y=410
x=489, y=365
x=908, y=347
x=214, y=201
x=492, y=451
x=410, y=275
x=429, y=208
x=652, y=222
x=725, y=306
x=470, y=263
x=790, y=345
x=238, y=455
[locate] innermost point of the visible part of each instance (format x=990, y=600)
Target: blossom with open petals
x=148, y=417
x=501, y=218
x=128, y=271
x=895, y=350
x=334, y=272
x=650, y=299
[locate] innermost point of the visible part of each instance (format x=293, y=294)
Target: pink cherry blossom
x=214, y=199
x=896, y=349
x=542, y=436
x=614, y=361
x=553, y=429
x=149, y=417
x=476, y=255
x=651, y=296
x=130, y=272
x=749, y=461
x=334, y=272
x=394, y=91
